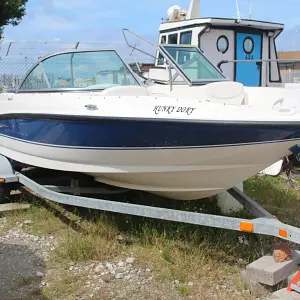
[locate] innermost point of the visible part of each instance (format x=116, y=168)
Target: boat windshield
x=79, y=70
x=192, y=63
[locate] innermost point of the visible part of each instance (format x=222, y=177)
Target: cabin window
x=173, y=39
x=160, y=60
x=186, y=38
x=222, y=44
x=193, y=64
x=248, y=45
x=163, y=39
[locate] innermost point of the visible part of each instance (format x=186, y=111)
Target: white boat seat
x=228, y=92
x=129, y=90
x=160, y=74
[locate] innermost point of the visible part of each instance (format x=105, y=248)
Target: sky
x=98, y=23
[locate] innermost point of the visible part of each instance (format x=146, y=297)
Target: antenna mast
x=237, y=10
x=250, y=10
x=194, y=11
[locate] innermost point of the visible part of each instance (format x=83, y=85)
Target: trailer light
x=283, y=233
x=2, y=180
x=247, y=227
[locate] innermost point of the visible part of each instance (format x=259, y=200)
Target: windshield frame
x=41, y=60
x=181, y=72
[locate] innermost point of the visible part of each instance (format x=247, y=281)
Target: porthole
x=222, y=44
x=248, y=45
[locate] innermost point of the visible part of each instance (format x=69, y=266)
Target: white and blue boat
x=189, y=135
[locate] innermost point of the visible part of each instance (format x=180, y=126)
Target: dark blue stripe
x=121, y=133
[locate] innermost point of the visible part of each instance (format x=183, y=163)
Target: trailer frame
x=263, y=223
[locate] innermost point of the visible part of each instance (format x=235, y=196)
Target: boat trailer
x=263, y=223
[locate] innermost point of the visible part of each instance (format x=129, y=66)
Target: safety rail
x=262, y=62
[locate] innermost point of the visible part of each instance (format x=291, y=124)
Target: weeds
x=80, y=248
x=184, y=290
x=276, y=196
x=65, y=288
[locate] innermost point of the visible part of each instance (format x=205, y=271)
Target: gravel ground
x=22, y=264
x=120, y=280
x=23, y=275
x=23, y=272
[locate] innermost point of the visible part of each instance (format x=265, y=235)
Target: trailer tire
x=4, y=193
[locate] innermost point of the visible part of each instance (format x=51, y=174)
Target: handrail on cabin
x=220, y=63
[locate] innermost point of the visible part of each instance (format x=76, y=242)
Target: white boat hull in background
x=185, y=174
x=274, y=169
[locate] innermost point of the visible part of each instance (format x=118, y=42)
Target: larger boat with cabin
x=244, y=49
x=190, y=135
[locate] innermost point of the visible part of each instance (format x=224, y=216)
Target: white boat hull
x=185, y=174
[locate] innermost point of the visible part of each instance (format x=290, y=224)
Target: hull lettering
x=174, y=110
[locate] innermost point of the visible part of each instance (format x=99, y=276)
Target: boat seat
x=129, y=90
x=228, y=92
x=159, y=74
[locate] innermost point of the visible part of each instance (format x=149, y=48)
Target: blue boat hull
x=176, y=159
x=142, y=134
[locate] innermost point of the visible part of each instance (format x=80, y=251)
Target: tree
x=11, y=12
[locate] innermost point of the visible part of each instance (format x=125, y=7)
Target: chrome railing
x=168, y=63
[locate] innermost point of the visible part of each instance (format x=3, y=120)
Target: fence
x=12, y=70
x=17, y=57
x=290, y=75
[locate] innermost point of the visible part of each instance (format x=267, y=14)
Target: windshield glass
x=80, y=70
x=193, y=63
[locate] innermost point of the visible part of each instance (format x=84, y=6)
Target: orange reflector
x=247, y=227
x=2, y=180
x=283, y=233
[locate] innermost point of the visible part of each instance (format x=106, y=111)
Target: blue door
x=248, y=47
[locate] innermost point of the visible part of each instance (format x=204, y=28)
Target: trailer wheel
x=4, y=193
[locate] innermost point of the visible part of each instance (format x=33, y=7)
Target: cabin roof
x=221, y=22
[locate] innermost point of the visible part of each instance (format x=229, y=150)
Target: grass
x=43, y=220
x=188, y=253
x=277, y=197
x=67, y=287
x=81, y=247
x=184, y=290
x=24, y=281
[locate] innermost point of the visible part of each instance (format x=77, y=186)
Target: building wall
x=290, y=68
x=290, y=74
